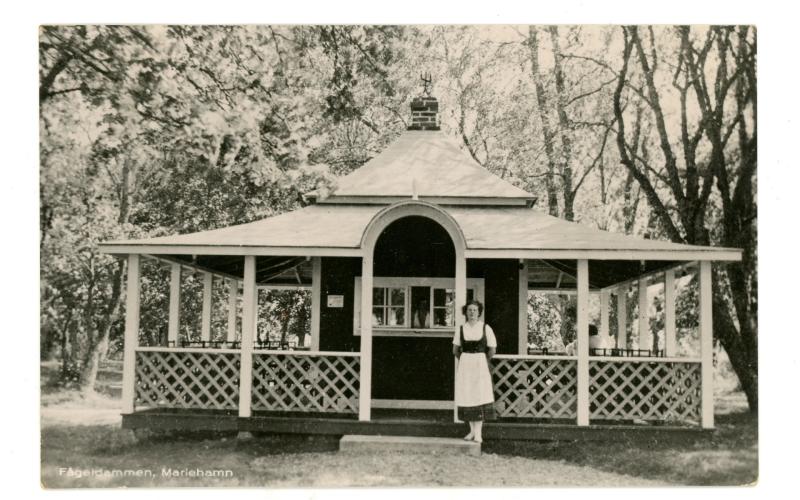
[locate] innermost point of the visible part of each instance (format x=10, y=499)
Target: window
x=443, y=300
x=413, y=305
x=389, y=306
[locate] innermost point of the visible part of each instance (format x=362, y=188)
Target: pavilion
x=423, y=227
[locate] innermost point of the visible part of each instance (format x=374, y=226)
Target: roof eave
x=691, y=254
x=487, y=201
x=711, y=254
x=126, y=247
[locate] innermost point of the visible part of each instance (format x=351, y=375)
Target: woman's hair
x=472, y=302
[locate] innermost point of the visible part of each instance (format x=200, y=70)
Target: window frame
x=476, y=284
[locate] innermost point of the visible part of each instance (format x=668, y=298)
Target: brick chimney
x=424, y=113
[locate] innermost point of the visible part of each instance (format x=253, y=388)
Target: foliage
x=153, y=130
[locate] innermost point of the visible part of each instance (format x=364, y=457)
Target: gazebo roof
x=431, y=165
x=424, y=164
x=488, y=231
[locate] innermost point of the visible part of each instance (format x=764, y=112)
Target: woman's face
x=472, y=312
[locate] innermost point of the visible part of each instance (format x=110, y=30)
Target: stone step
x=412, y=444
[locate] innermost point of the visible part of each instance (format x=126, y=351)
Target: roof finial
x=427, y=84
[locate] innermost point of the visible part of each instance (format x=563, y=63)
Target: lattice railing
x=535, y=386
x=187, y=379
x=303, y=382
x=645, y=390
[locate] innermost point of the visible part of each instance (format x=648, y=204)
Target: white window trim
x=477, y=284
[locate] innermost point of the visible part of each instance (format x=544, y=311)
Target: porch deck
x=427, y=423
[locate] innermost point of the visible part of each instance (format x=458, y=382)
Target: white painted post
x=316, y=298
x=461, y=301
x=205, y=329
x=582, y=325
x=622, y=317
x=706, y=345
x=604, y=313
x=523, y=308
x=255, y=310
x=645, y=339
x=248, y=321
x=131, y=335
x=174, y=305
x=365, y=382
x=233, y=304
x=670, y=343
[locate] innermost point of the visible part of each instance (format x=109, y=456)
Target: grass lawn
x=730, y=457
x=288, y=461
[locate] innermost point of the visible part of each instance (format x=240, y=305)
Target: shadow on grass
x=729, y=456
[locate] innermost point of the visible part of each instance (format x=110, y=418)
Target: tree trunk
x=744, y=360
x=564, y=129
x=96, y=352
x=547, y=132
x=302, y=320
x=99, y=338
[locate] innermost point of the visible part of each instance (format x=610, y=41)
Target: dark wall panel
x=336, y=324
x=412, y=368
x=501, y=281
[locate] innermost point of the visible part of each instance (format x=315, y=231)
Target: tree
x=713, y=74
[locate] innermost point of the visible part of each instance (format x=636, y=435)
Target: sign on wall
x=336, y=301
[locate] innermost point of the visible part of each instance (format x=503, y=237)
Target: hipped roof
x=430, y=163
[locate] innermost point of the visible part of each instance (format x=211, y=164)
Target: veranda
x=293, y=389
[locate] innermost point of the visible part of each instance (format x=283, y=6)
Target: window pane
x=439, y=297
x=377, y=316
x=378, y=296
x=470, y=294
x=441, y=317
x=420, y=307
x=397, y=316
x=398, y=296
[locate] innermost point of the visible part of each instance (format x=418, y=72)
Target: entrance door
x=412, y=369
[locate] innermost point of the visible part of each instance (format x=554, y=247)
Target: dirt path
x=80, y=416
x=425, y=470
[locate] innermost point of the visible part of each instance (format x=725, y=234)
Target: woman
x=474, y=345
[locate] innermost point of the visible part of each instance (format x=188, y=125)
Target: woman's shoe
x=469, y=437
x=478, y=440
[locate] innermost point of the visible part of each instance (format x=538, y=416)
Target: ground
x=81, y=435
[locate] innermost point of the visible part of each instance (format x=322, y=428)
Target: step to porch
x=411, y=444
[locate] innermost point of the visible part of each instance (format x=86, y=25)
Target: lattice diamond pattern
x=539, y=388
x=187, y=379
x=324, y=383
x=626, y=390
